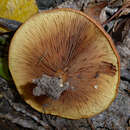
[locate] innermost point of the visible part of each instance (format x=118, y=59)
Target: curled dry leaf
x=19, y=10
x=94, y=10
x=126, y=11
x=115, y=3
x=70, y=45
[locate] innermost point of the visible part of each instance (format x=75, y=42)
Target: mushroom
x=73, y=50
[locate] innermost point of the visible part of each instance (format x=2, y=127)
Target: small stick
x=91, y=124
x=10, y=25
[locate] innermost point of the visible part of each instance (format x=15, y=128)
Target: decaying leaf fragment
x=94, y=10
x=19, y=10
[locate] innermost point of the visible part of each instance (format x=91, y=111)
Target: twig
x=91, y=124
x=7, y=33
x=8, y=24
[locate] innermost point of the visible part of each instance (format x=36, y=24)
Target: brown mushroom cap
x=69, y=43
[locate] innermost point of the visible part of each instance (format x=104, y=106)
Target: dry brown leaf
x=94, y=10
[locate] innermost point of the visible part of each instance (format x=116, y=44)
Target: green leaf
x=4, y=70
x=2, y=40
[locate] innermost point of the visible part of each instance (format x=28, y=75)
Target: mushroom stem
x=10, y=25
x=50, y=86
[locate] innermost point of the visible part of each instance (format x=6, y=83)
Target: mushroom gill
x=66, y=44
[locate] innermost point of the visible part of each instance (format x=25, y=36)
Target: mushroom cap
x=67, y=41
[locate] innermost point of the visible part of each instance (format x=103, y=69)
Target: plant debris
x=50, y=86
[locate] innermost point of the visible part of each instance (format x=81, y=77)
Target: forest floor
x=15, y=114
